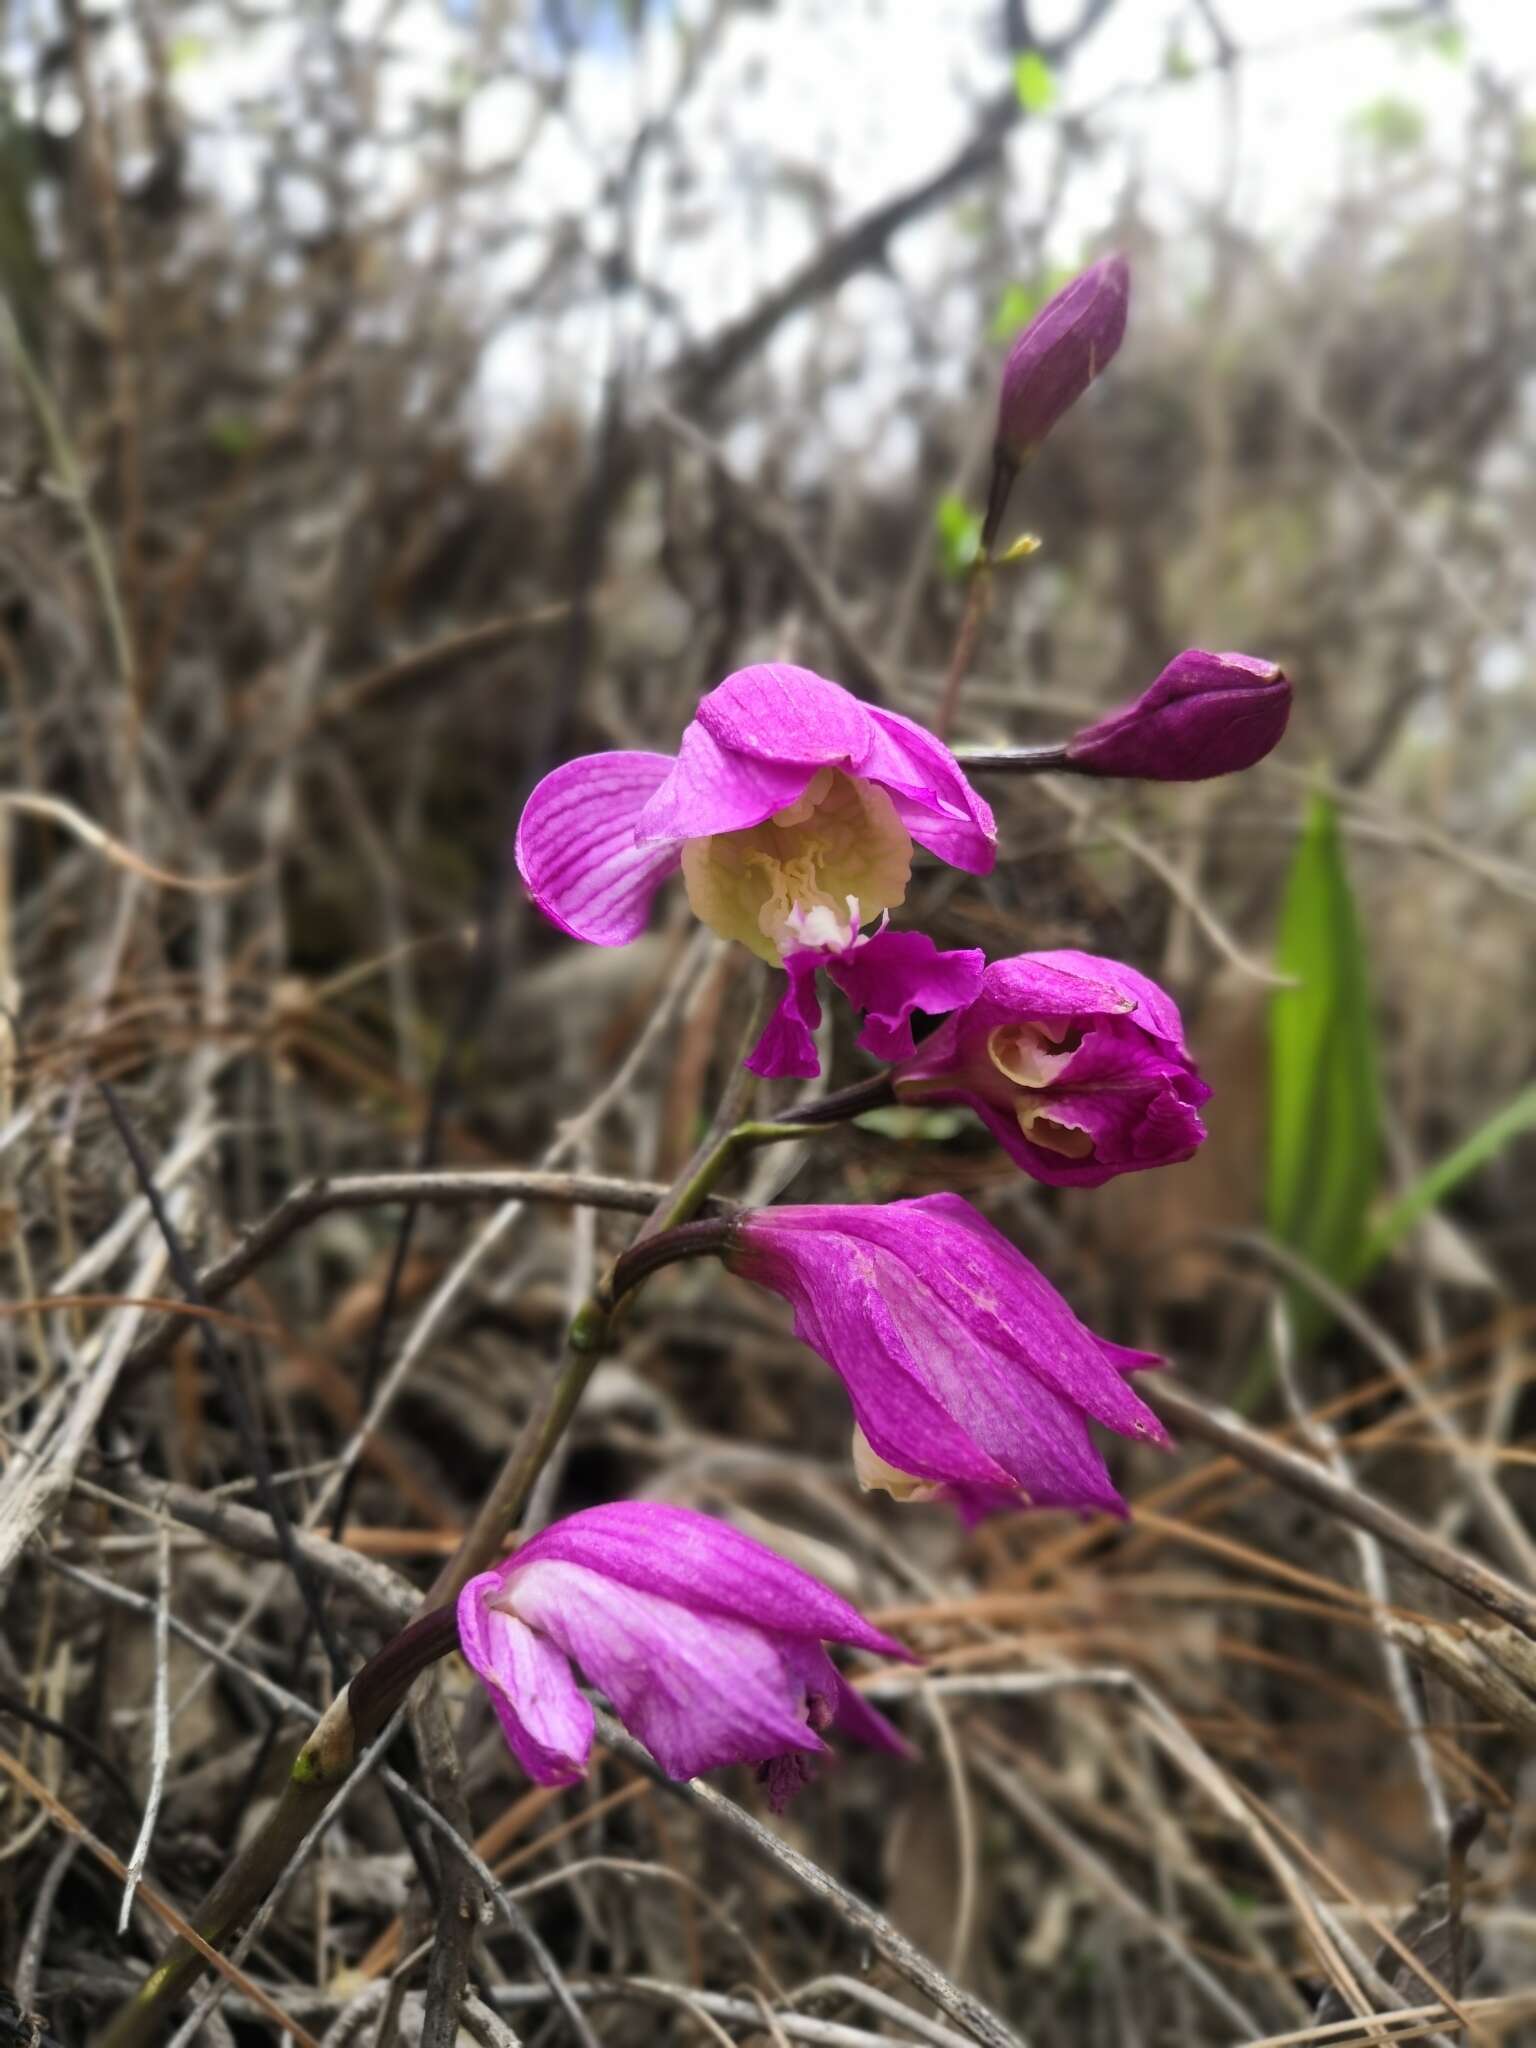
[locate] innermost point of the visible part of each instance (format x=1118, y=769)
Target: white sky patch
x=806, y=116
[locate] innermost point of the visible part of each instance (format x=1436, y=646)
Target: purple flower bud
x=1207, y=714
x=1060, y=352
x=708, y=1645
x=971, y=1379
x=1076, y=1064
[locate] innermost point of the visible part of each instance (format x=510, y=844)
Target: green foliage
x=1488, y=1140
x=185, y=52
x=907, y=1122
x=232, y=434
x=1034, y=82
x=1323, y=1131
x=1178, y=65
x=1413, y=32
x=958, y=529
x=1015, y=309
x=1392, y=126
x=1448, y=40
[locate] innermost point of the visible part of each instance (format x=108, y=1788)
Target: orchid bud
x=1207, y=714
x=1050, y=366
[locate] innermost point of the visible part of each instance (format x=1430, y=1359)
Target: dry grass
x=280, y=647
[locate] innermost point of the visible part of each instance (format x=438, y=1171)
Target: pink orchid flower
x=1076, y=1064
x=709, y=1647
x=792, y=809
x=971, y=1379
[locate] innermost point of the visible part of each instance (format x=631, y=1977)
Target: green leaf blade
x=1324, y=1109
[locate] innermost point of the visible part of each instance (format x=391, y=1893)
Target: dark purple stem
x=875, y=1093
x=1018, y=761
x=711, y=1234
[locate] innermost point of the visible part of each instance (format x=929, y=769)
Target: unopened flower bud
x=1060, y=352
x=1049, y=367
x=1207, y=714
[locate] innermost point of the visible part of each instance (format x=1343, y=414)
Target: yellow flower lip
x=1032, y=1057
x=1051, y=1134
x=806, y=875
x=1029, y=1055
x=876, y=1475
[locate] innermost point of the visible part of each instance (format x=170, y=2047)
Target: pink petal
x=859, y=1718
x=1124, y=1359
x=699, y=1690
x=948, y=1338
x=894, y=973
x=931, y=1395
x=788, y=1044
x=777, y=712
x=576, y=847
x=710, y=789
x=759, y=737
x=1155, y=1009
x=705, y=1564
x=933, y=799
x=987, y=1281
x=547, y=1722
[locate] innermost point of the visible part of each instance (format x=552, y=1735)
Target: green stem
x=978, y=593
x=716, y=1163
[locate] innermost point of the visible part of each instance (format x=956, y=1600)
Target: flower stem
x=717, y=1162
x=1017, y=761
x=978, y=595
x=843, y=1104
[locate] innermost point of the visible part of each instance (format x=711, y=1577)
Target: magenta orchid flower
x=709, y=1647
x=1206, y=714
x=792, y=809
x=1076, y=1064
x=971, y=1379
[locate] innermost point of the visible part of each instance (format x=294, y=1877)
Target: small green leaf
x=1448, y=40
x=1034, y=82
x=908, y=1121
x=1323, y=1131
x=1014, y=310
x=232, y=434
x=1021, y=302
x=1178, y=65
x=959, y=534
x=186, y=51
x=1392, y=126
x=1489, y=1139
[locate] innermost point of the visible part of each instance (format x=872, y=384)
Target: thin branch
x=1225, y=1431
x=445, y=1190
x=160, y=1745
x=959, y=2005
